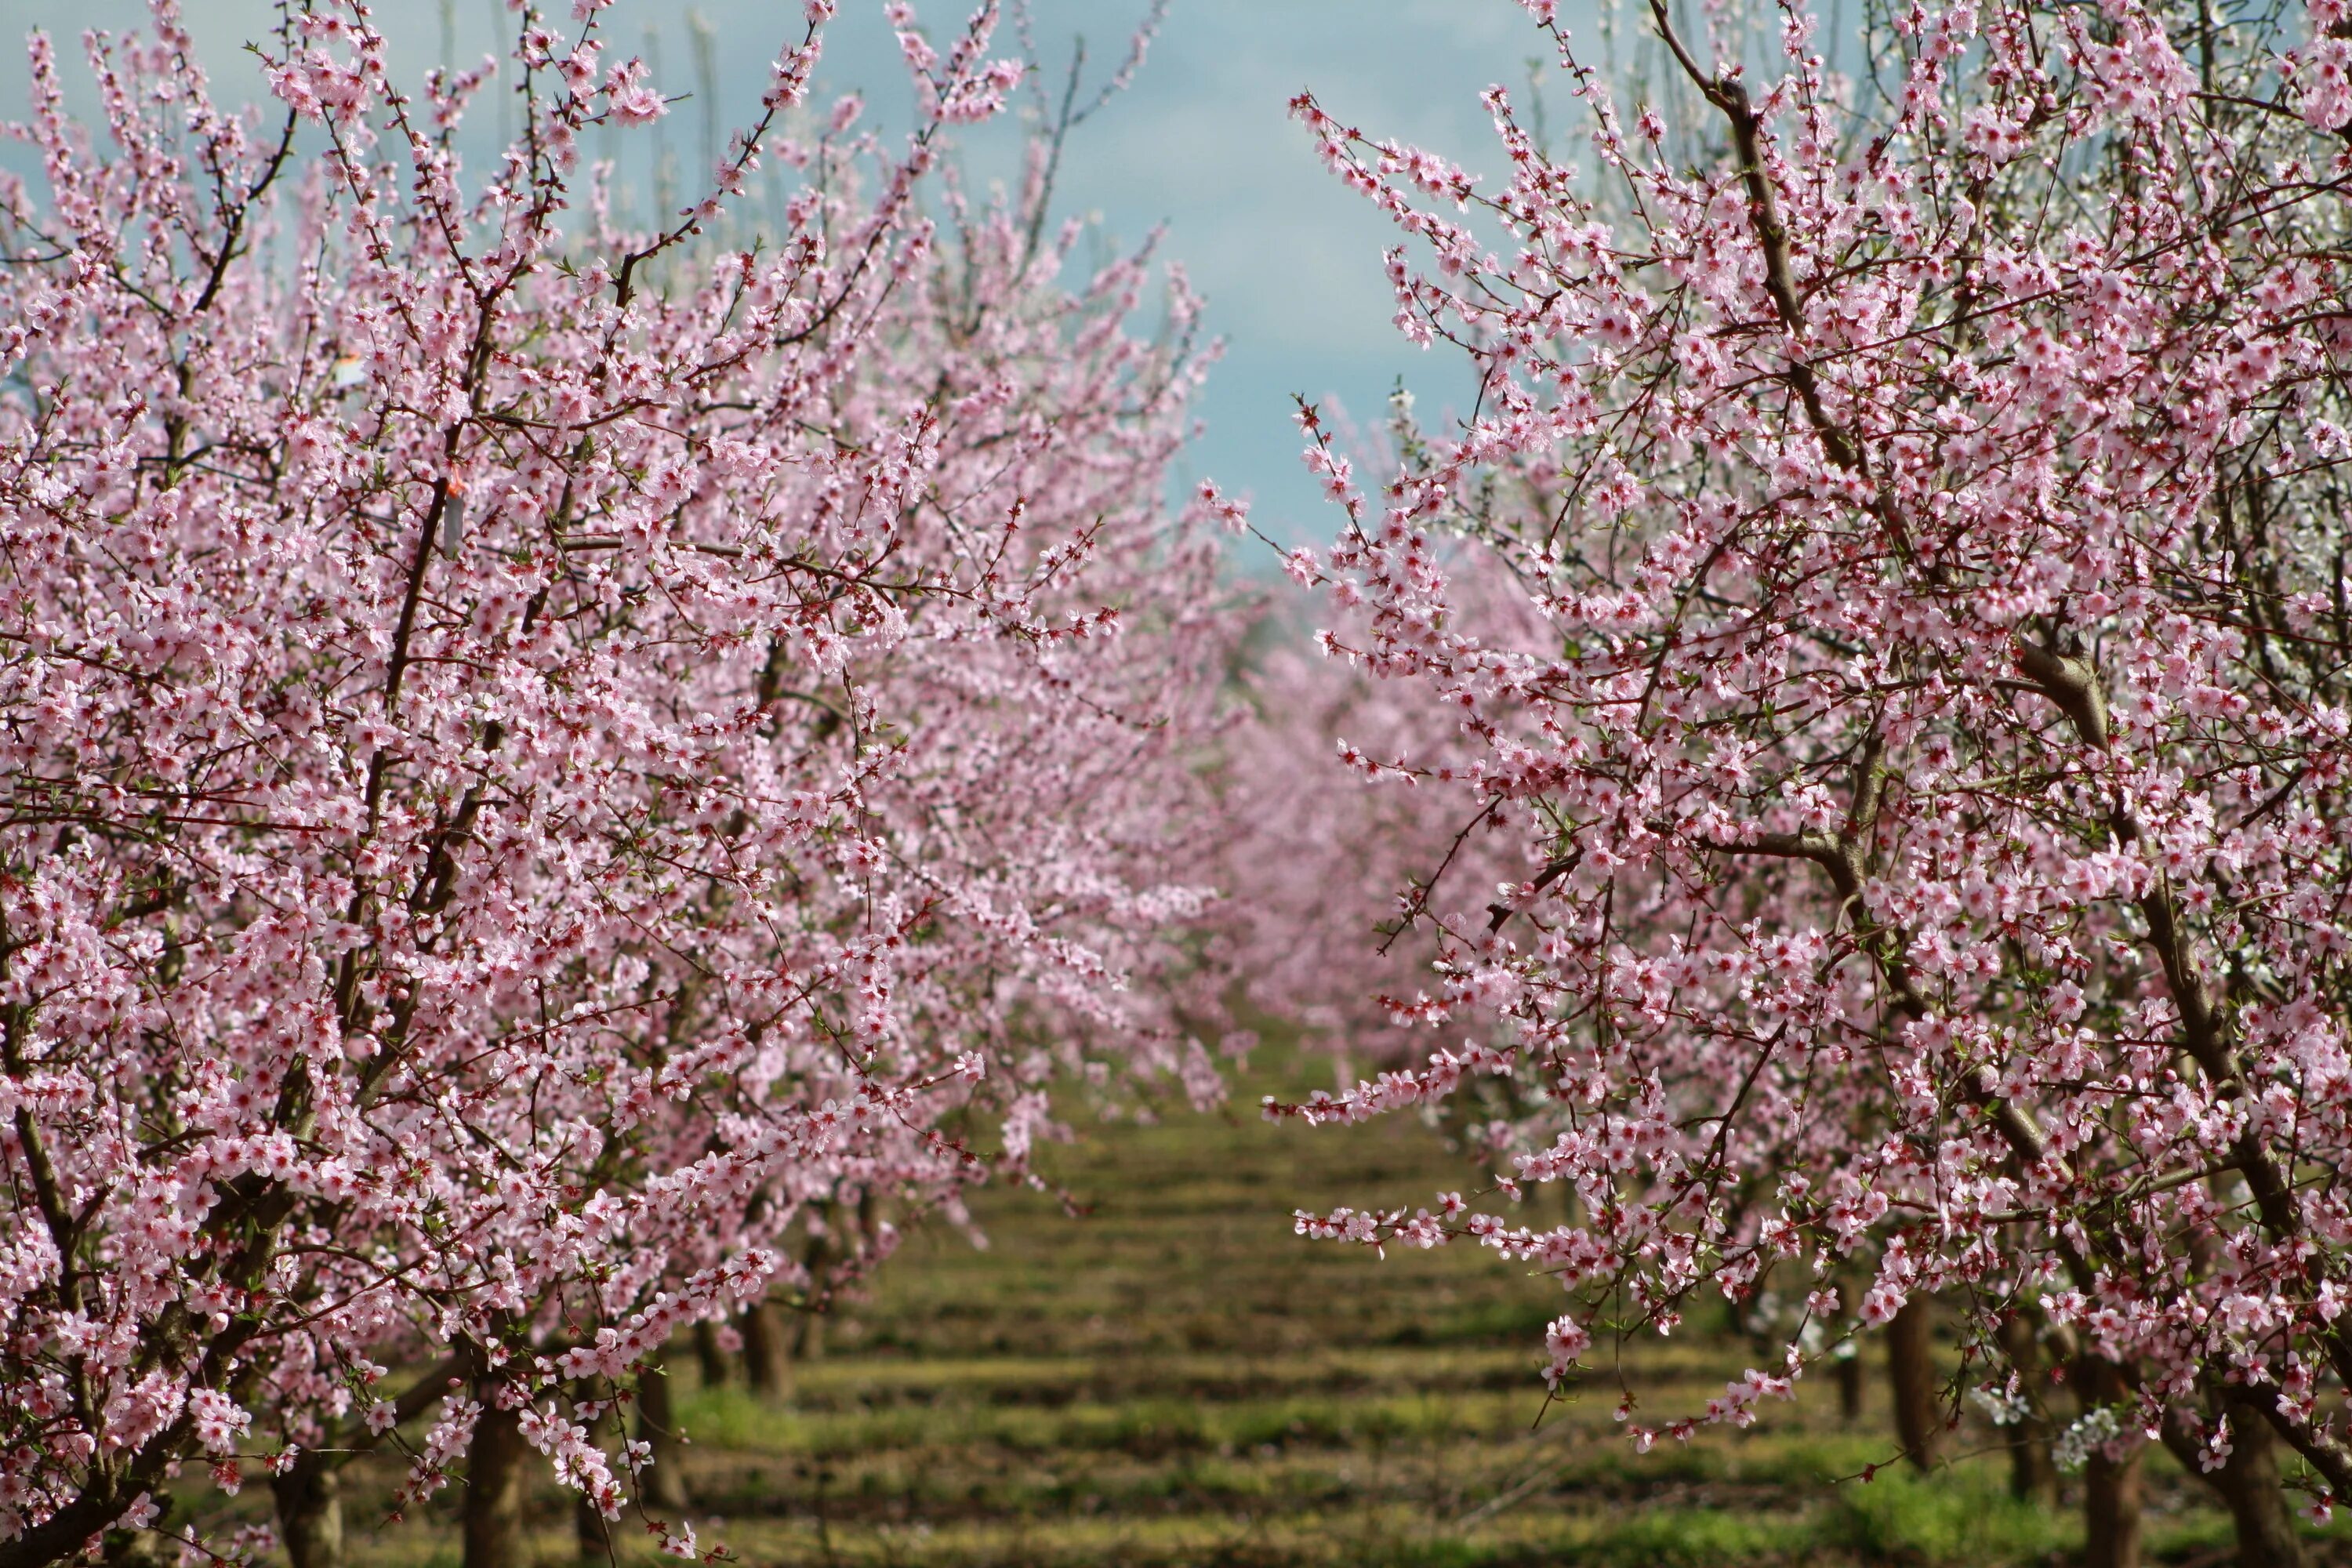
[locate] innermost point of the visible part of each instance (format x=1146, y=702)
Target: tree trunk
x=494, y=1461
x=808, y=1340
x=662, y=1485
x=1850, y=1383
x=2248, y=1484
x=1911, y=1379
x=2111, y=1512
x=310, y=1500
x=767, y=1355
x=139, y=1549
x=592, y=1533
x=715, y=1371
x=2110, y=1490
x=2033, y=1473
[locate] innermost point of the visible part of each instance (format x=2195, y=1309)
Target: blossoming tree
x=1322, y=884
x=538, y=757
x=1927, y=753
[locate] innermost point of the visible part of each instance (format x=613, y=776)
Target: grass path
x=1174, y=1378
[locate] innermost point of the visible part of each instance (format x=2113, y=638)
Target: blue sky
x=1289, y=262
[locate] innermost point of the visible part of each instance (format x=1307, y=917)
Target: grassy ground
x=1176, y=1379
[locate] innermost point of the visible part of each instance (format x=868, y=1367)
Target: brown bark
x=808, y=1340
x=494, y=1462
x=664, y=1484
x=2111, y=1515
x=716, y=1371
x=1911, y=1380
x=2033, y=1473
x=2248, y=1485
x=139, y=1549
x=310, y=1500
x=592, y=1533
x=767, y=1353
x=1850, y=1381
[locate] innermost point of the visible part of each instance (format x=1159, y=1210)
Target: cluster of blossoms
x=1918, y=704
x=1327, y=884
x=537, y=759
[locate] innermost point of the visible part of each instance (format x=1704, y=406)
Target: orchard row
x=549, y=766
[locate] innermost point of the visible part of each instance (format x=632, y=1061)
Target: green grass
x=1175, y=1378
